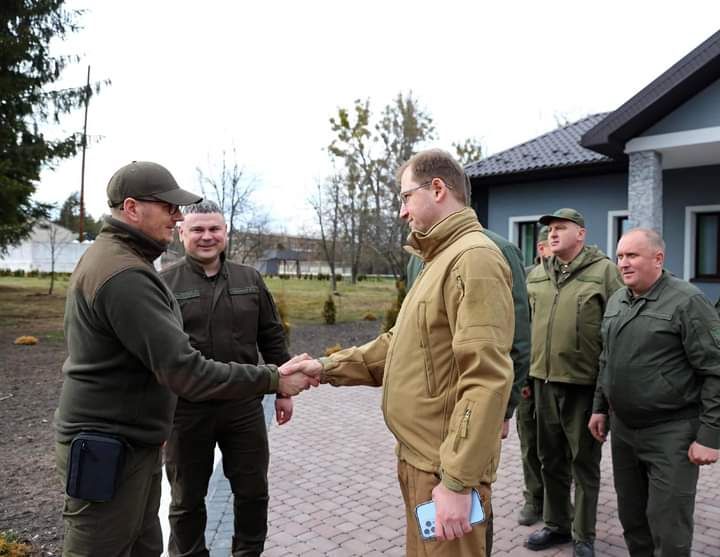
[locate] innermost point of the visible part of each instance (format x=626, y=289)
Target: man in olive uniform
x=532, y=510
x=128, y=357
x=229, y=315
x=660, y=378
x=567, y=304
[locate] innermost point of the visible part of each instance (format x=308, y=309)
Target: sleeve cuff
x=708, y=437
x=327, y=365
x=274, y=378
x=454, y=485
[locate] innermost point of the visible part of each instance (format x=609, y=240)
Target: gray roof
x=556, y=149
x=683, y=80
x=281, y=254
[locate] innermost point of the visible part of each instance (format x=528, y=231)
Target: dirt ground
x=30, y=490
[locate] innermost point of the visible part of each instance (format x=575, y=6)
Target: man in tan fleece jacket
x=445, y=367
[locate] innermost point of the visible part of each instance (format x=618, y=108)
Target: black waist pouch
x=94, y=466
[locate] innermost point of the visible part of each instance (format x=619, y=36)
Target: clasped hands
x=298, y=374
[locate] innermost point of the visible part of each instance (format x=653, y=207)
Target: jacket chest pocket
x=245, y=302
x=194, y=309
x=430, y=381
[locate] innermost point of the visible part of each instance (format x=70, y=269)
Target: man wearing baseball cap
x=128, y=358
x=567, y=302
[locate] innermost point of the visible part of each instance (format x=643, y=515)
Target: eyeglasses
x=405, y=195
x=172, y=209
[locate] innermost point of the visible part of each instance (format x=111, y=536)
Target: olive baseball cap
x=147, y=180
x=543, y=234
x=564, y=214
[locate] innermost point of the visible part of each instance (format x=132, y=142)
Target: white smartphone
x=425, y=514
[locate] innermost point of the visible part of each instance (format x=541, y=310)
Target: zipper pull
x=465, y=424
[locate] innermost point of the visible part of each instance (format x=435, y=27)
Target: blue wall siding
x=685, y=187
x=593, y=196
x=702, y=111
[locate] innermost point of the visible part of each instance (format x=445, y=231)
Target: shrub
x=332, y=349
x=338, y=277
x=281, y=305
x=12, y=546
x=18, y=273
x=392, y=312
x=28, y=341
x=328, y=311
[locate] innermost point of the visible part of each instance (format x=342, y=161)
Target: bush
x=328, y=311
x=281, y=305
x=18, y=273
x=392, y=312
x=332, y=349
x=12, y=546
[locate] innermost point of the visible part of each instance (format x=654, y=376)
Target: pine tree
x=27, y=101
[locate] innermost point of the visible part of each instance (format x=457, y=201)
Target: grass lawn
x=305, y=298
x=26, y=307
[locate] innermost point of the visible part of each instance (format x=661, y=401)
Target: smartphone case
x=425, y=514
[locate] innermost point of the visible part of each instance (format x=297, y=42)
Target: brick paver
x=333, y=489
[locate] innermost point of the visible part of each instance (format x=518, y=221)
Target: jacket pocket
x=463, y=426
x=426, y=349
x=186, y=295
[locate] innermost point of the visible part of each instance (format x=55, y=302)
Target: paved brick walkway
x=333, y=490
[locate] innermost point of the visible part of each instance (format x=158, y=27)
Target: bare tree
x=327, y=206
x=56, y=242
x=402, y=129
x=230, y=189
x=352, y=151
x=253, y=237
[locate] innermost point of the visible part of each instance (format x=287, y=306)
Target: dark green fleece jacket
x=661, y=358
x=128, y=355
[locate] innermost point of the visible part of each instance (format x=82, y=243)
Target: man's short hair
x=436, y=163
x=653, y=238
x=204, y=207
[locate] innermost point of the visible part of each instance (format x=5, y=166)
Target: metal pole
x=82, y=172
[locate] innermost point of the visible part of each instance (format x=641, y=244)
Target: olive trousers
x=238, y=428
x=655, y=484
x=568, y=452
x=532, y=468
x=127, y=526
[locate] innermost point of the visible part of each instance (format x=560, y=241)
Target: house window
x=618, y=224
x=707, y=246
x=702, y=238
x=527, y=240
x=523, y=232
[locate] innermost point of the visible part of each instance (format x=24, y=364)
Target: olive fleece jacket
x=128, y=356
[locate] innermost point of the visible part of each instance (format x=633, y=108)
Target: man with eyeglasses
x=445, y=366
x=128, y=358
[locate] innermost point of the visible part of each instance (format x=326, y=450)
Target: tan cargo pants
x=416, y=487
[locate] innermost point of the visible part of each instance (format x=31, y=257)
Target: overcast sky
x=190, y=79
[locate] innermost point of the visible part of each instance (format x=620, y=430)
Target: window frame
x=691, y=244
x=613, y=230
x=514, y=225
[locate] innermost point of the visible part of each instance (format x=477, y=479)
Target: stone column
x=645, y=188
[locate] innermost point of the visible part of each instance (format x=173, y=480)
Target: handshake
x=298, y=374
